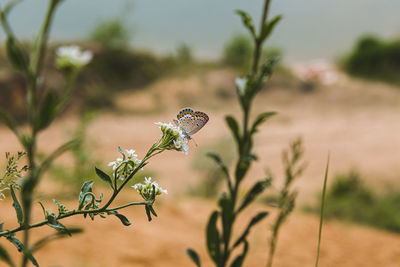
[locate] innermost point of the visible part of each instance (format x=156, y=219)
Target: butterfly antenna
x=194, y=142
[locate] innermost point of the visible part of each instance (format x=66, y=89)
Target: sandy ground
x=355, y=121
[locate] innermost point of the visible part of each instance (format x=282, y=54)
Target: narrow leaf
x=17, y=206
x=257, y=189
x=122, y=152
x=223, y=167
x=193, y=255
x=57, y=235
x=59, y=151
x=247, y=22
x=10, y=6
x=122, y=218
x=9, y=122
x=47, y=111
x=152, y=210
x=261, y=118
x=268, y=27
x=253, y=222
x=17, y=55
x=18, y=244
x=148, y=212
x=52, y=222
x=213, y=243
x=234, y=126
x=103, y=176
x=4, y=256
x=321, y=218
x=238, y=262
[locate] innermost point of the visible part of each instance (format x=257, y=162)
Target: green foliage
x=111, y=34
x=213, y=175
x=238, y=51
x=373, y=58
x=184, y=54
x=350, y=199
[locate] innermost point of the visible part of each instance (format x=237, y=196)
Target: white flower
x=72, y=56
x=130, y=153
x=241, y=84
x=124, y=165
x=146, y=189
x=174, y=138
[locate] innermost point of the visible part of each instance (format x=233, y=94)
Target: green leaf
x=122, y=152
x=266, y=70
x=257, y=189
x=60, y=150
x=17, y=206
x=103, y=176
x=9, y=122
x=52, y=222
x=213, y=243
x=44, y=210
x=321, y=216
x=234, y=126
x=18, y=244
x=247, y=22
x=253, y=222
x=16, y=55
x=193, y=255
x=10, y=6
x=152, y=210
x=48, y=110
x=122, y=218
x=238, y=262
x=31, y=258
x=261, y=118
x=148, y=212
x=4, y=256
x=268, y=27
x=86, y=187
x=220, y=163
x=242, y=167
x=59, y=234
x=227, y=215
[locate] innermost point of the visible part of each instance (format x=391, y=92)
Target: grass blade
x=321, y=218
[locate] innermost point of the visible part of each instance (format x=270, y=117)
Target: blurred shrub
x=373, y=58
x=349, y=199
x=111, y=34
x=238, y=51
x=184, y=54
x=210, y=184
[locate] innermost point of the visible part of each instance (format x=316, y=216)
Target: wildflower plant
x=221, y=242
x=43, y=106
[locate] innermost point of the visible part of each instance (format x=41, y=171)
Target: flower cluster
x=149, y=190
x=173, y=138
x=12, y=173
x=124, y=166
x=72, y=57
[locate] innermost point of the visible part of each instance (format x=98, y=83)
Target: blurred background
x=337, y=87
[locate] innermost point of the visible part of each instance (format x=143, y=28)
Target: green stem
x=72, y=213
x=33, y=177
x=259, y=42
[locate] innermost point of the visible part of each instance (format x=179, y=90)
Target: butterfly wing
x=190, y=121
x=200, y=119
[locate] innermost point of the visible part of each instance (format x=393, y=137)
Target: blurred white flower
x=146, y=189
x=72, y=57
x=241, y=85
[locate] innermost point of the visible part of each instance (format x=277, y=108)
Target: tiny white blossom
x=72, y=56
x=146, y=189
x=241, y=84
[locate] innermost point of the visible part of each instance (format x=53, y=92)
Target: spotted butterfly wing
x=191, y=121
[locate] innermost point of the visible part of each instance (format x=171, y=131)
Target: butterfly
x=190, y=121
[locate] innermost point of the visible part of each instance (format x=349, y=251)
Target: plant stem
x=33, y=178
x=72, y=213
x=259, y=43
